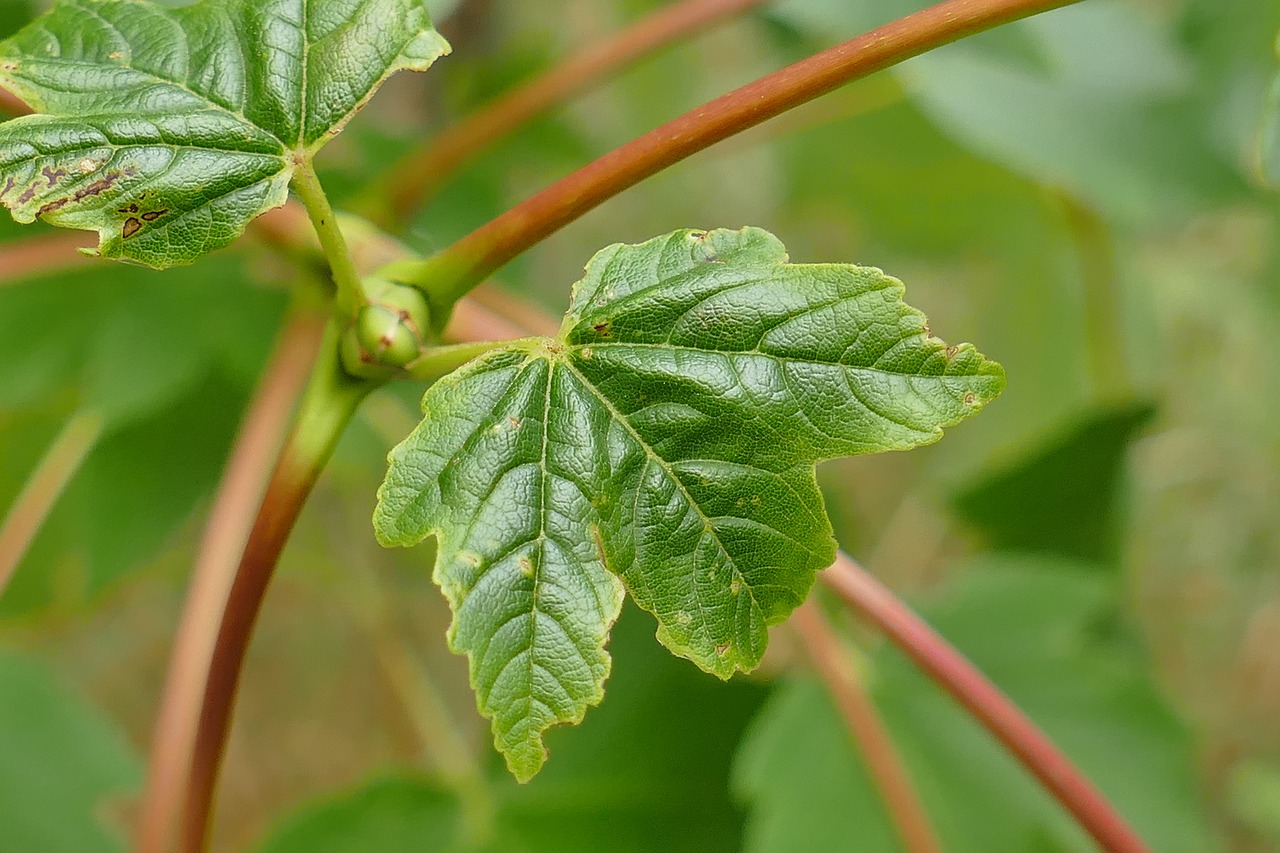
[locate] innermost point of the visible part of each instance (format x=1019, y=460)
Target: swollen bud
x=389, y=332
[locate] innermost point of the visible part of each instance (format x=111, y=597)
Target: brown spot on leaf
x=132, y=208
x=52, y=206
x=951, y=351
x=515, y=422
x=27, y=194
x=723, y=649
x=131, y=226
x=602, y=329
x=53, y=175
x=970, y=399
x=153, y=215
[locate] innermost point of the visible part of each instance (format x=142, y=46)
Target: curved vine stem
x=327, y=406
x=225, y=534
x=870, y=735
x=986, y=702
x=411, y=181
x=450, y=273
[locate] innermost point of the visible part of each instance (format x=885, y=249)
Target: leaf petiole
x=441, y=361
x=350, y=295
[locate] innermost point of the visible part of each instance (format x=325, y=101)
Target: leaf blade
x=685, y=407
x=168, y=130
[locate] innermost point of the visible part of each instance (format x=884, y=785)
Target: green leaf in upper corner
x=168, y=130
x=60, y=764
x=1061, y=498
x=667, y=437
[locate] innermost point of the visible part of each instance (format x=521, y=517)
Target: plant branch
x=12, y=105
x=452, y=272
x=988, y=705
x=410, y=182
x=43, y=255
x=225, y=534
x=327, y=406
x=868, y=730
x=346, y=278
x=43, y=488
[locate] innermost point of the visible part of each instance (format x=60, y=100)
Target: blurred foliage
x=1078, y=194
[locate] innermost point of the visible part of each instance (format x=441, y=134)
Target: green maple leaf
x=168, y=130
x=665, y=441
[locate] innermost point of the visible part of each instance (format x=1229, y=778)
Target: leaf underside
x=665, y=442
x=168, y=130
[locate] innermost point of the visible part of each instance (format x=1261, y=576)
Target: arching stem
x=452, y=272
x=986, y=702
x=411, y=181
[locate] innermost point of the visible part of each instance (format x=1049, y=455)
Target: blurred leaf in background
x=65, y=770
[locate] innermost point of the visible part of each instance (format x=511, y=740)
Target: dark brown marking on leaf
x=153, y=215
x=27, y=194
x=131, y=226
x=99, y=186
x=53, y=175
x=970, y=399
x=723, y=649
x=52, y=206
x=7, y=187
x=132, y=208
x=602, y=329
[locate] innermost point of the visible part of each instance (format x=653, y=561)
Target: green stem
x=441, y=361
x=448, y=275
x=346, y=278
x=328, y=404
x=43, y=488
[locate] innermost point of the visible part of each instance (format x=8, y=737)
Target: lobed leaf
x=667, y=437
x=168, y=130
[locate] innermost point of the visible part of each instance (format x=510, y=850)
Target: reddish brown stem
x=869, y=732
x=330, y=401
x=456, y=269
x=410, y=183
x=42, y=255
x=225, y=534
x=949, y=668
x=12, y=105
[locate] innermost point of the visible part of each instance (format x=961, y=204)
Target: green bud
x=388, y=332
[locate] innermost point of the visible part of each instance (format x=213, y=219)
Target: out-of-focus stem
x=410, y=183
x=868, y=730
x=43, y=488
x=225, y=534
x=43, y=255
x=986, y=702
